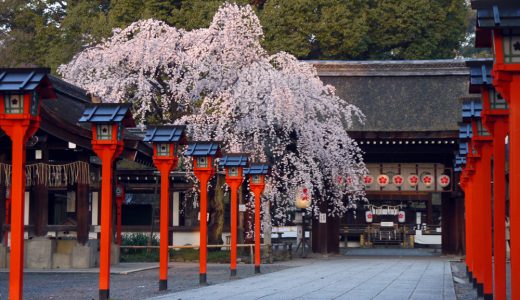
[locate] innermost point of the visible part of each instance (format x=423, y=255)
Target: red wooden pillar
x=508, y=84
x=465, y=184
x=108, y=154
x=234, y=185
x=477, y=227
x=165, y=168
x=203, y=176
x=258, y=194
x=486, y=217
x=499, y=209
x=19, y=132
x=120, y=198
x=495, y=119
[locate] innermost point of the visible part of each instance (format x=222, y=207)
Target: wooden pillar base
x=104, y=294
x=233, y=272
x=163, y=285
x=488, y=296
x=203, y=279
x=480, y=289
x=257, y=269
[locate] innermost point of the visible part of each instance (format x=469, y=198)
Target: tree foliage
x=50, y=32
x=225, y=86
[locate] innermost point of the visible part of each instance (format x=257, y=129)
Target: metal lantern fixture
x=234, y=164
x=20, y=93
x=203, y=154
x=166, y=141
x=107, y=121
x=502, y=19
x=257, y=173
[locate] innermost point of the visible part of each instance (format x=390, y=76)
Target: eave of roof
x=443, y=67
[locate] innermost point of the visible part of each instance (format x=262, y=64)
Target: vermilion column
x=18, y=137
x=165, y=167
x=467, y=186
x=486, y=245
x=257, y=190
x=107, y=153
x=499, y=209
x=234, y=185
x=477, y=227
x=514, y=179
x=203, y=177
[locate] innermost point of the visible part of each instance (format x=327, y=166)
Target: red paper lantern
x=413, y=180
x=369, y=216
x=383, y=180
x=368, y=180
x=444, y=180
x=398, y=180
x=427, y=180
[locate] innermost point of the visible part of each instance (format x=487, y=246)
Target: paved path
x=340, y=278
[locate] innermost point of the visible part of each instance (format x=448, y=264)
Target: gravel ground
x=464, y=289
x=139, y=285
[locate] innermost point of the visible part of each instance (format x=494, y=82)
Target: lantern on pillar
x=21, y=91
x=234, y=164
x=166, y=141
x=108, y=121
x=502, y=19
x=257, y=173
x=203, y=154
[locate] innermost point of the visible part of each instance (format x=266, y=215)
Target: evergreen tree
x=50, y=32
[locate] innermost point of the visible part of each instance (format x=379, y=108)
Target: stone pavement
x=340, y=278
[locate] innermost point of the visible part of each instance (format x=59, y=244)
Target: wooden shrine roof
x=400, y=96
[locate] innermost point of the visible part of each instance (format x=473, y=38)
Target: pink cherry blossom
x=225, y=86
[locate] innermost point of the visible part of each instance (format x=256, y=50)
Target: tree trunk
x=216, y=219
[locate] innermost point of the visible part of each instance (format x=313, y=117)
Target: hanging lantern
x=383, y=180
x=368, y=180
x=427, y=180
x=444, y=180
x=413, y=180
x=397, y=180
x=369, y=216
x=303, y=199
x=401, y=217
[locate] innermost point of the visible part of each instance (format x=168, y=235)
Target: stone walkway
x=340, y=278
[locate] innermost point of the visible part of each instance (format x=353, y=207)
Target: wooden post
x=82, y=213
x=40, y=194
x=514, y=178
x=107, y=153
x=499, y=209
x=234, y=185
x=203, y=177
x=19, y=135
x=487, y=252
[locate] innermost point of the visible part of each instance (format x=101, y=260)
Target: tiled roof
x=257, y=169
x=106, y=113
x=497, y=13
x=480, y=74
x=26, y=80
x=471, y=108
x=166, y=134
x=203, y=149
x=234, y=160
